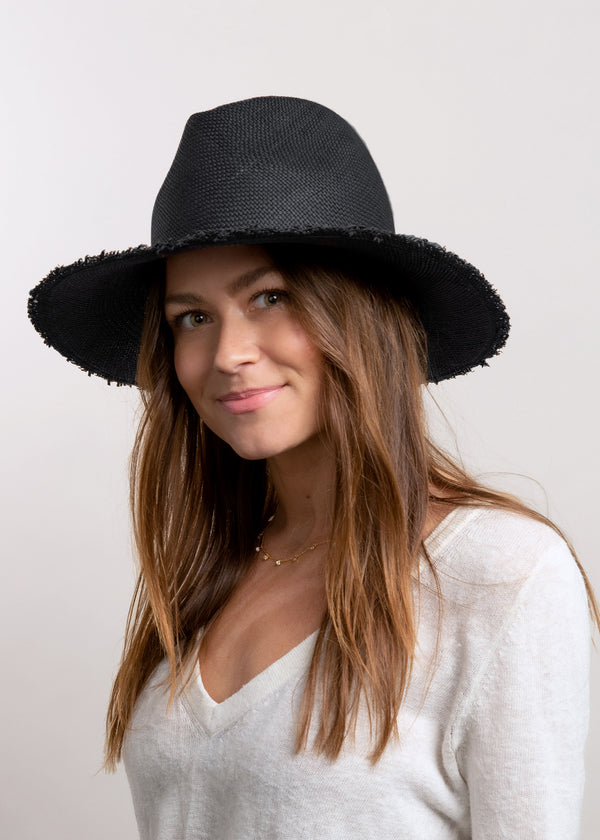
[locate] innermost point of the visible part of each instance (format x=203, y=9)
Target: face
x=247, y=366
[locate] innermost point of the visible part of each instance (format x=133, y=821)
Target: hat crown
x=269, y=163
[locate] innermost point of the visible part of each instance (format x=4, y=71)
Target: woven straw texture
x=265, y=170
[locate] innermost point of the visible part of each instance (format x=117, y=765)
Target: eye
x=190, y=320
x=269, y=298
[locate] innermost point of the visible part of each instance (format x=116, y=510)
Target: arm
x=523, y=727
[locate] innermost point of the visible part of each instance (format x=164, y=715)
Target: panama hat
x=271, y=169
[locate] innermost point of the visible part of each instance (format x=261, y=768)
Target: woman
x=336, y=632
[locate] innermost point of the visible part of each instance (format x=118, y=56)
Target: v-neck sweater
x=492, y=728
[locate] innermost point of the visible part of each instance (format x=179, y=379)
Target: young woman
x=336, y=632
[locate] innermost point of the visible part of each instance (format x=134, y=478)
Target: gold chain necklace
x=279, y=561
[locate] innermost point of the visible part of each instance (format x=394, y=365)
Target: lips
x=243, y=401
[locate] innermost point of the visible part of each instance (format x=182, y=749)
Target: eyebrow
x=239, y=284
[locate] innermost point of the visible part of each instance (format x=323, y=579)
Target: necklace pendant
x=277, y=562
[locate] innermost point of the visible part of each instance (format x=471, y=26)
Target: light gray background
x=483, y=120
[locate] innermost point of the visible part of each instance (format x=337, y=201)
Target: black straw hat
x=272, y=169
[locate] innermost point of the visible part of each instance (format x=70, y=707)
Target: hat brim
x=92, y=310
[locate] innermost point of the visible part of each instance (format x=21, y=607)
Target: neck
x=303, y=480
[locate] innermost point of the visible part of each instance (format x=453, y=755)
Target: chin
x=256, y=452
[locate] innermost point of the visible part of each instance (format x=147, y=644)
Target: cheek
x=302, y=353
x=315, y=366
x=190, y=368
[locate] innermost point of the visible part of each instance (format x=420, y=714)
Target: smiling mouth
x=249, y=400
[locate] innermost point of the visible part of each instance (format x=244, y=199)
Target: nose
x=237, y=344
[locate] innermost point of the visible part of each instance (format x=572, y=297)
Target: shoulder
x=484, y=552
x=502, y=594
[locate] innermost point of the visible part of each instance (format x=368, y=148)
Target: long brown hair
x=197, y=507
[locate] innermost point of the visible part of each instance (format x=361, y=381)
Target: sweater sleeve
x=520, y=734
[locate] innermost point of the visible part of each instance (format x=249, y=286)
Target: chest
x=230, y=770
x=270, y=612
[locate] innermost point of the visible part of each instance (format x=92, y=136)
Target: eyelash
x=178, y=319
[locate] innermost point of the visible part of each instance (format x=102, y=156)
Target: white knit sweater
x=492, y=738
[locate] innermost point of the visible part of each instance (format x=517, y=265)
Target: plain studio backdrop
x=483, y=120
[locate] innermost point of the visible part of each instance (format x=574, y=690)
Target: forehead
x=215, y=265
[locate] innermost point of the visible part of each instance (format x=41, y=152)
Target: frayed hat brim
x=92, y=310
